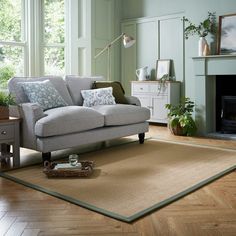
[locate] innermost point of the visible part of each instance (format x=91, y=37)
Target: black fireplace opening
x=226, y=103
x=228, y=114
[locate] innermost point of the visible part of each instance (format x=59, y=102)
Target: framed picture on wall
x=163, y=69
x=227, y=34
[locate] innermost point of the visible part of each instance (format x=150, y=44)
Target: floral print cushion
x=94, y=97
x=43, y=93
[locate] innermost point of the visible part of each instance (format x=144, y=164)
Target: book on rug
x=61, y=166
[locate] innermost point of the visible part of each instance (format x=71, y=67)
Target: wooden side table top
x=11, y=119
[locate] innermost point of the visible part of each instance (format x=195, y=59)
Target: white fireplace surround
x=206, y=69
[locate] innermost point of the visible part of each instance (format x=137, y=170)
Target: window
x=54, y=37
x=28, y=50
x=12, y=40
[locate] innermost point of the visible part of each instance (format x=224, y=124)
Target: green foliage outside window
x=11, y=30
x=11, y=57
x=10, y=20
x=54, y=32
x=6, y=72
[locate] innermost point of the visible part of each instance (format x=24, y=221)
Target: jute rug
x=132, y=180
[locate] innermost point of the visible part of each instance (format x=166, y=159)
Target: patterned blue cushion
x=94, y=97
x=43, y=93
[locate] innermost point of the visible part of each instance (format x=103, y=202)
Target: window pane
x=54, y=22
x=11, y=63
x=54, y=61
x=10, y=20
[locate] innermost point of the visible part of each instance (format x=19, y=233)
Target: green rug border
x=117, y=216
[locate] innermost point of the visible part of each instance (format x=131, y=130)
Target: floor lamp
x=127, y=40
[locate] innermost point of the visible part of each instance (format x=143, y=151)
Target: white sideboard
x=154, y=95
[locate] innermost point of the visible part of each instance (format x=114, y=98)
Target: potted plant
x=180, y=118
x=163, y=82
x=6, y=72
x=202, y=30
x=5, y=101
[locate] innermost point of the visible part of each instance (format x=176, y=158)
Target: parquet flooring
x=210, y=210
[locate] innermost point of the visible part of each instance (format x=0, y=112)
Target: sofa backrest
x=77, y=83
x=17, y=91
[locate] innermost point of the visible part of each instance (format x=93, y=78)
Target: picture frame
x=163, y=69
x=227, y=35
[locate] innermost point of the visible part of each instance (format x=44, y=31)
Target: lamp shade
x=128, y=41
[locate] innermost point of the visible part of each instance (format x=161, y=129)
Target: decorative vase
x=206, y=51
x=4, y=112
x=201, y=46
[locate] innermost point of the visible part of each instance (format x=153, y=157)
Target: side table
x=10, y=135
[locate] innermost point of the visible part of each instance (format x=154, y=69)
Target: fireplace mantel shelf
x=215, y=65
x=215, y=56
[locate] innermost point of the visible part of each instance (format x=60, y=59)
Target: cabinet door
x=145, y=101
x=159, y=110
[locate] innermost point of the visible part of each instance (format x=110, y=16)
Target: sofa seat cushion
x=66, y=120
x=122, y=114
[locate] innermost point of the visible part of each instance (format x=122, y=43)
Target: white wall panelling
x=171, y=44
x=157, y=38
x=147, y=45
x=78, y=37
x=90, y=26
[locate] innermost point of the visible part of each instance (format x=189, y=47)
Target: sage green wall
x=195, y=10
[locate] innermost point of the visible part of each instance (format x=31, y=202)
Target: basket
x=177, y=130
x=85, y=171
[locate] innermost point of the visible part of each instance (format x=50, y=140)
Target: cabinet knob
x=4, y=132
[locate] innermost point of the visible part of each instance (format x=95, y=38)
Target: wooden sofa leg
x=141, y=138
x=46, y=156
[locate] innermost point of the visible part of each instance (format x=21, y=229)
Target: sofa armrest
x=29, y=113
x=133, y=100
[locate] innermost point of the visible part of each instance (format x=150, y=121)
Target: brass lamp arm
x=109, y=45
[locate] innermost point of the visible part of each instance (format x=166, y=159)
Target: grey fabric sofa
x=74, y=125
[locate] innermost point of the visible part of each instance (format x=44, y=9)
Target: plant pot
x=4, y=113
x=177, y=130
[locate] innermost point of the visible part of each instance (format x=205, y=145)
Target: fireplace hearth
x=225, y=115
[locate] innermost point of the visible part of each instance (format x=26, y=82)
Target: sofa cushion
x=94, y=97
x=17, y=91
x=43, y=93
x=117, y=90
x=77, y=83
x=70, y=119
x=121, y=114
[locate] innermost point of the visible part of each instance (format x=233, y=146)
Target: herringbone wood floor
x=210, y=210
